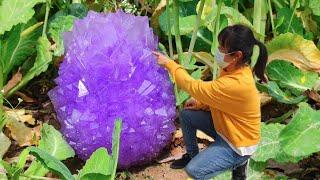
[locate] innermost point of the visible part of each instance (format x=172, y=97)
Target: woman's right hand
x=191, y=104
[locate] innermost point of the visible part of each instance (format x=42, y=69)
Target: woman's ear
x=238, y=55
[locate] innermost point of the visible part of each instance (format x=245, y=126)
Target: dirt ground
x=160, y=172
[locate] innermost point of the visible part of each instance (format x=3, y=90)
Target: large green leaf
x=296, y=23
x=13, y=12
x=285, y=97
x=53, y=143
x=301, y=136
x=288, y=76
x=269, y=145
x=255, y=171
x=51, y=163
x=186, y=24
x=294, y=48
x=101, y=165
x=315, y=6
x=19, y=44
x=56, y=28
x=98, y=163
x=44, y=58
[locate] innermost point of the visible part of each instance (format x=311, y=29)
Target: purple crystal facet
x=110, y=72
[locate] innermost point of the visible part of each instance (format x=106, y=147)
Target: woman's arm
x=206, y=92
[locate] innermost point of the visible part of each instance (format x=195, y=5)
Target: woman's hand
x=161, y=59
x=191, y=104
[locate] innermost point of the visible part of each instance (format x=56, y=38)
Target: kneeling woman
x=227, y=109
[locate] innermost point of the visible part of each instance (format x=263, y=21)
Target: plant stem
x=177, y=30
x=277, y=3
x=294, y=10
x=195, y=31
x=259, y=17
x=2, y=119
x=281, y=118
x=216, y=28
x=215, y=43
x=169, y=29
x=271, y=18
x=48, y=4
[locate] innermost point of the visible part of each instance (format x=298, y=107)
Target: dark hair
x=240, y=38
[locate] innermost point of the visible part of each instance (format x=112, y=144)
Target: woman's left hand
x=161, y=59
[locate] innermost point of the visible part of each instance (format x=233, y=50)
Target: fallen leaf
x=4, y=144
x=21, y=116
x=264, y=98
x=205, y=58
x=178, y=134
x=16, y=78
x=202, y=135
x=24, y=135
x=312, y=94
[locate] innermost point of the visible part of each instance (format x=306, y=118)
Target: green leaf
x=53, y=143
x=301, y=136
x=269, y=147
x=294, y=48
x=275, y=92
x=115, y=147
x=51, y=163
x=98, y=163
x=315, y=7
x=101, y=165
x=19, y=44
x=44, y=58
x=23, y=158
x=234, y=16
x=78, y=10
x=269, y=143
x=186, y=24
x=13, y=12
x=95, y=176
x=8, y=168
x=3, y=175
x=288, y=76
x=255, y=171
x=56, y=28
x=296, y=24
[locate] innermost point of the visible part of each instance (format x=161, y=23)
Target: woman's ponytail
x=261, y=63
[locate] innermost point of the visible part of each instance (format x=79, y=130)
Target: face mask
x=219, y=57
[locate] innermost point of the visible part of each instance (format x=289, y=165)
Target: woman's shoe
x=181, y=163
x=240, y=172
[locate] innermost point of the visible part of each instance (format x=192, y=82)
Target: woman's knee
x=192, y=169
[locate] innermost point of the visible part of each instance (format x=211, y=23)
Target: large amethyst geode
x=109, y=72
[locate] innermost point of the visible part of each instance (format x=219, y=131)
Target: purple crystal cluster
x=109, y=72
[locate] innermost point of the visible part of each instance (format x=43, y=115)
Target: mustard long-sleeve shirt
x=233, y=101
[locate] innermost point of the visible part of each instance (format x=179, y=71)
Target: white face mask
x=219, y=57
